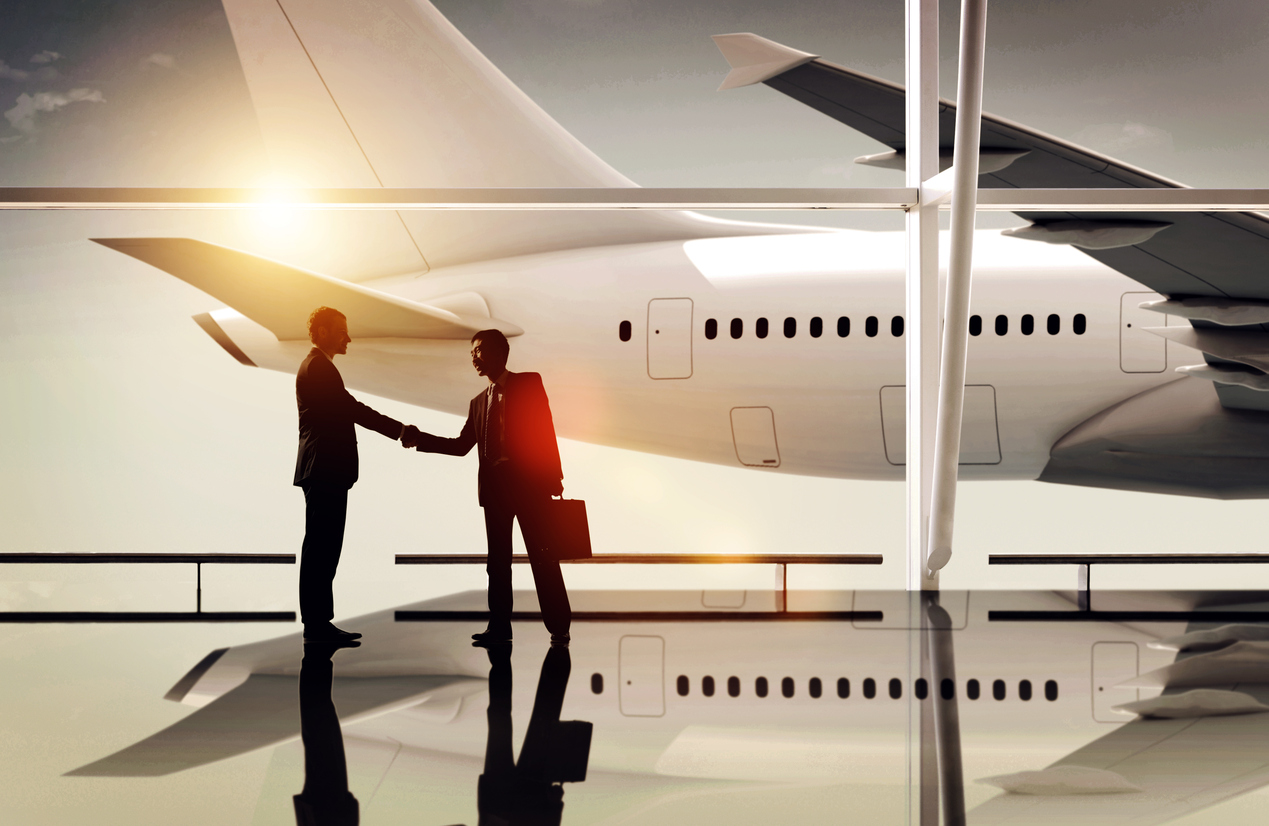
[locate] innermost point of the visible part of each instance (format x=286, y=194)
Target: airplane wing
x=280, y=297
x=262, y=711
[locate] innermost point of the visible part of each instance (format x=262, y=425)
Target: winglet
x=754, y=59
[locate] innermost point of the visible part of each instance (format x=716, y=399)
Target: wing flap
x=280, y=297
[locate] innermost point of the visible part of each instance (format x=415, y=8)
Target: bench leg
x=1083, y=587
x=781, y=587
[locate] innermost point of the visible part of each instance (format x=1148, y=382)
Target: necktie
x=493, y=425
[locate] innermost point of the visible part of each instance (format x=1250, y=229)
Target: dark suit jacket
x=328, y=441
x=533, y=457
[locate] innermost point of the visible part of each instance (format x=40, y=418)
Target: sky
x=126, y=429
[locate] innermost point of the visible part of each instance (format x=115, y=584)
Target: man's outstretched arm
x=427, y=443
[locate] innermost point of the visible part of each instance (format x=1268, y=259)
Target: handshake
x=411, y=436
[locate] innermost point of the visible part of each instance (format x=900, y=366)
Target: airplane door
x=670, y=338
x=1139, y=351
x=641, y=676
x=753, y=430
x=980, y=436
x=1113, y=662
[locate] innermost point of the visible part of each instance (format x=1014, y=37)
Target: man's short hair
x=322, y=317
x=493, y=337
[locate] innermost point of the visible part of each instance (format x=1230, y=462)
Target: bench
x=197, y=615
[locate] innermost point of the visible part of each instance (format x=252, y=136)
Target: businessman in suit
x=327, y=466
x=510, y=424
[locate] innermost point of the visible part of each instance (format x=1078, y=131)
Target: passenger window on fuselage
x=733, y=686
x=998, y=689
x=843, y=327
x=1050, y=690
x=684, y=685
x=870, y=326
x=1028, y=324
x=817, y=327
x=790, y=327
x=1002, y=325
x=922, y=688
x=597, y=683
x=760, y=328
x=623, y=331
x=1079, y=324
x=843, y=687
x=1054, y=324
x=786, y=687
x=707, y=686
x=711, y=328
x=1024, y=690
x=896, y=326
x=972, y=689
x=760, y=686
x=975, y=325
x=737, y=328
x=815, y=688
x=947, y=689
x=896, y=688
x=870, y=688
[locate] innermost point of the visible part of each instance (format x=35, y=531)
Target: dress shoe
x=560, y=639
x=488, y=637
x=327, y=632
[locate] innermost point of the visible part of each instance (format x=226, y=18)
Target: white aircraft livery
x=772, y=347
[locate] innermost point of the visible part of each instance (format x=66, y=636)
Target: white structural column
x=921, y=310
x=947, y=438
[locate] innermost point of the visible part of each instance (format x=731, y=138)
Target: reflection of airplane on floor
x=680, y=707
x=729, y=342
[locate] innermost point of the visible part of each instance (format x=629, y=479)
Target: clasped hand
x=411, y=436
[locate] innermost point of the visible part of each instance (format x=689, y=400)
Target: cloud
x=1117, y=137
x=22, y=116
x=165, y=61
x=46, y=57
x=10, y=73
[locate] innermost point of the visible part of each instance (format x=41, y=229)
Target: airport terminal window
x=972, y=689
x=947, y=689
x=1079, y=324
x=737, y=328
x=684, y=685
x=896, y=326
x=1054, y=324
x=623, y=331
x=998, y=689
x=760, y=686
x=922, y=689
x=790, y=327
x=870, y=688
x=760, y=328
x=896, y=688
x=1050, y=690
x=815, y=688
x=707, y=686
x=1002, y=325
x=1024, y=690
x=597, y=683
x=786, y=686
x=733, y=686
x=817, y=327
x=975, y=325
x=711, y=328
x=1028, y=324
x=843, y=687
x=843, y=327
x=870, y=326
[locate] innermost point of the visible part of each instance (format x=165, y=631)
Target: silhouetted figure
x=527, y=792
x=327, y=466
x=325, y=800
x=510, y=423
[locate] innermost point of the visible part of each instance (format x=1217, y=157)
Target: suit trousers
x=325, y=511
x=503, y=504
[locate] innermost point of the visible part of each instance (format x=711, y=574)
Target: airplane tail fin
x=388, y=93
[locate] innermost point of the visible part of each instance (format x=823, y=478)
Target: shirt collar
x=501, y=381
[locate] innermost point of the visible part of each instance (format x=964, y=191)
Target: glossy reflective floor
x=864, y=707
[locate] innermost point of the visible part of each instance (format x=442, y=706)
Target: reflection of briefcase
x=566, y=533
x=570, y=751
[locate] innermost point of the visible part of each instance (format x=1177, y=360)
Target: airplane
x=763, y=346
x=1104, y=720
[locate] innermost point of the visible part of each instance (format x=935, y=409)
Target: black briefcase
x=566, y=531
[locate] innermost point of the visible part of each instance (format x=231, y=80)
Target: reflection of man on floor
x=510, y=424
x=325, y=800
x=527, y=792
x=327, y=466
